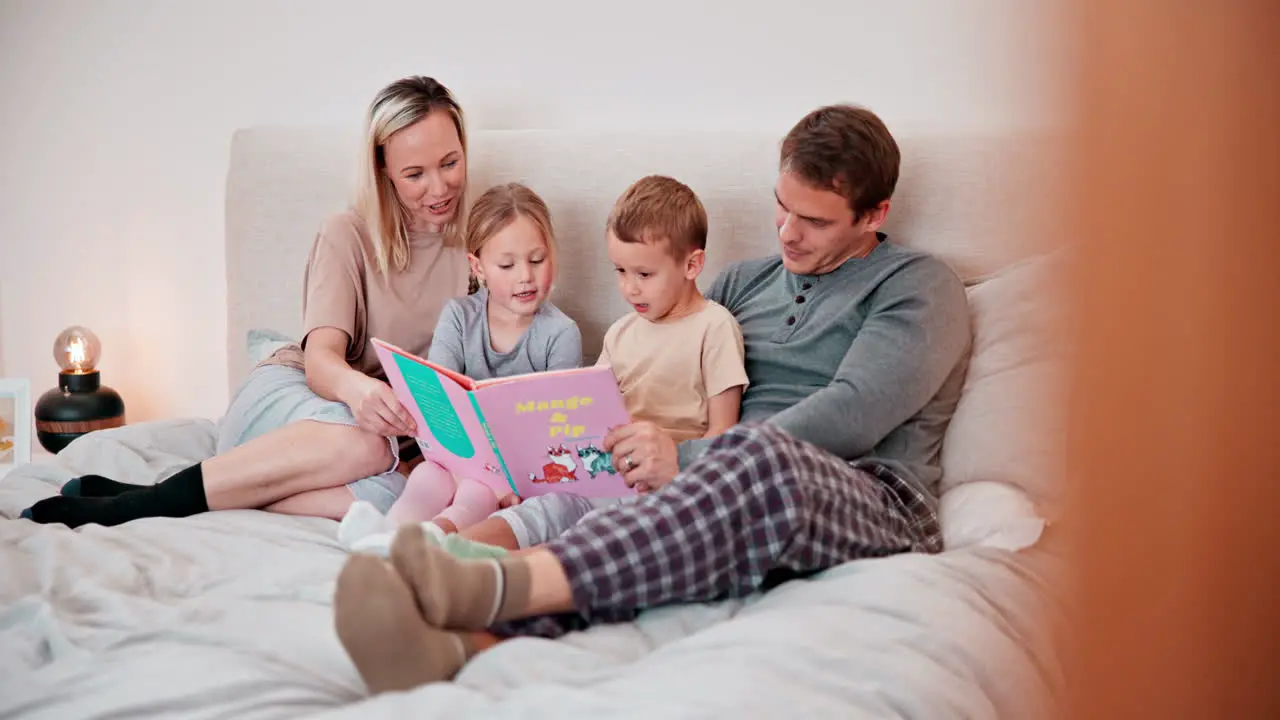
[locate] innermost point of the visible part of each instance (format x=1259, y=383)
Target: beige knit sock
x=392, y=647
x=459, y=594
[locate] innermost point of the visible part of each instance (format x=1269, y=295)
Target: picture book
x=529, y=434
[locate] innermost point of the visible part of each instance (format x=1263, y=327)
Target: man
x=856, y=351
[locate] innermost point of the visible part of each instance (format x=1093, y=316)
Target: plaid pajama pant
x=758, y=508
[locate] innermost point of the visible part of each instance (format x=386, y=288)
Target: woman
x=314, y=426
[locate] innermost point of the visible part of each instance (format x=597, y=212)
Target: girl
x=508, y=327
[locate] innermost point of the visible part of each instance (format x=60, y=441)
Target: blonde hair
x=498, y=207
x=660, y=209
x=397, y=106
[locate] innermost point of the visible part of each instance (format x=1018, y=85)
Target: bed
x=229, y=614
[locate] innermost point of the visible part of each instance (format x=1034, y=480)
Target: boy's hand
x=644, y=454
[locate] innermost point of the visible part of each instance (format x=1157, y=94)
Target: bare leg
x=295, y=459
x=483, y=640
x=298, y=458
x=533, y=522
x=331, y=503
x=549, y=590
x=492, y=531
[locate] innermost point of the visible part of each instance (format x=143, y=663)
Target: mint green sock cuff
x=465, y=549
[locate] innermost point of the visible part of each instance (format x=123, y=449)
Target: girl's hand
x=376, y=408
x=508, y=500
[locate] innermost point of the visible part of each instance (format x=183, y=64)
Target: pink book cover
x=550, y=427
x=531, y=434
x=450, y=432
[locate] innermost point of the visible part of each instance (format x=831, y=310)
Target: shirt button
x=799, y=299
x=805, y=286
x=791, y=320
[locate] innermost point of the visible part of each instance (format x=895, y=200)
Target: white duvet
x=228, y=615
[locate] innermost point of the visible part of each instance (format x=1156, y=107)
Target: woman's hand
x=375, y=406
x=644, y=454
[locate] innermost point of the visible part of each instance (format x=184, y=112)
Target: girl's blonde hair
x=397, y=106
x=498, y=207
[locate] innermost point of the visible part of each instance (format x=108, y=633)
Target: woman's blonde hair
x=397, y=106
x=498, y=207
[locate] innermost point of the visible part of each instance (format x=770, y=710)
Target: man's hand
x=644, y=454
x=375, y=406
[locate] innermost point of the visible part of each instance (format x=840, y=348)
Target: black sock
x=180, y=495
x=96, y=486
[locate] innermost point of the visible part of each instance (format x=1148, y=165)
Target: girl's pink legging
x=431, y=492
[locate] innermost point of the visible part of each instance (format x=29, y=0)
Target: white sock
x=434, y=532
x=361, y=526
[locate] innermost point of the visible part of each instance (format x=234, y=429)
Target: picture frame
x=15, y=422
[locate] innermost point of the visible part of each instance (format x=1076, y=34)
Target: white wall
x=118, y=116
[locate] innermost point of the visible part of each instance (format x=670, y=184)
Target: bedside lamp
x=80, y=403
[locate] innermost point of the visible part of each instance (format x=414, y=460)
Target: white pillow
x=1004, y=453
x=990, y=514
x=262, y=343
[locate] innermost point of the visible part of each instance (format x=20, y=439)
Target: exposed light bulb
x=77, y=350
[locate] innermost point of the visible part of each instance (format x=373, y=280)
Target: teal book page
x=449, y=430
x=437, y=408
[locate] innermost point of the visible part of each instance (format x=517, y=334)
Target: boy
x=678, y=356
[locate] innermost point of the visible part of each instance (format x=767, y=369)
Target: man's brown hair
x=657, y=209
x=846, y=149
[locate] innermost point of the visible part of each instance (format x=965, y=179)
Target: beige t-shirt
x=345, y=290
x=667, y=371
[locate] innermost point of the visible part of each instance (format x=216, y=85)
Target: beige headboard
x=965, y=198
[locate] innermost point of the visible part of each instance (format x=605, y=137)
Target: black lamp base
x=80, y=404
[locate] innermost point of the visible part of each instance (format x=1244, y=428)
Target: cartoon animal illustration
x=561, y=469
x=489, y=467
x=596, y=461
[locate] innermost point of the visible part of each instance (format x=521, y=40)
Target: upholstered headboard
x=966, y=198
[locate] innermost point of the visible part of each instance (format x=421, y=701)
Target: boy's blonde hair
x=498, y=207
x=396, y=107
x=657, y=209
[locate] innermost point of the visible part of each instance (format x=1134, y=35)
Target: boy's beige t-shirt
x=345, y=290
x=668, y=371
